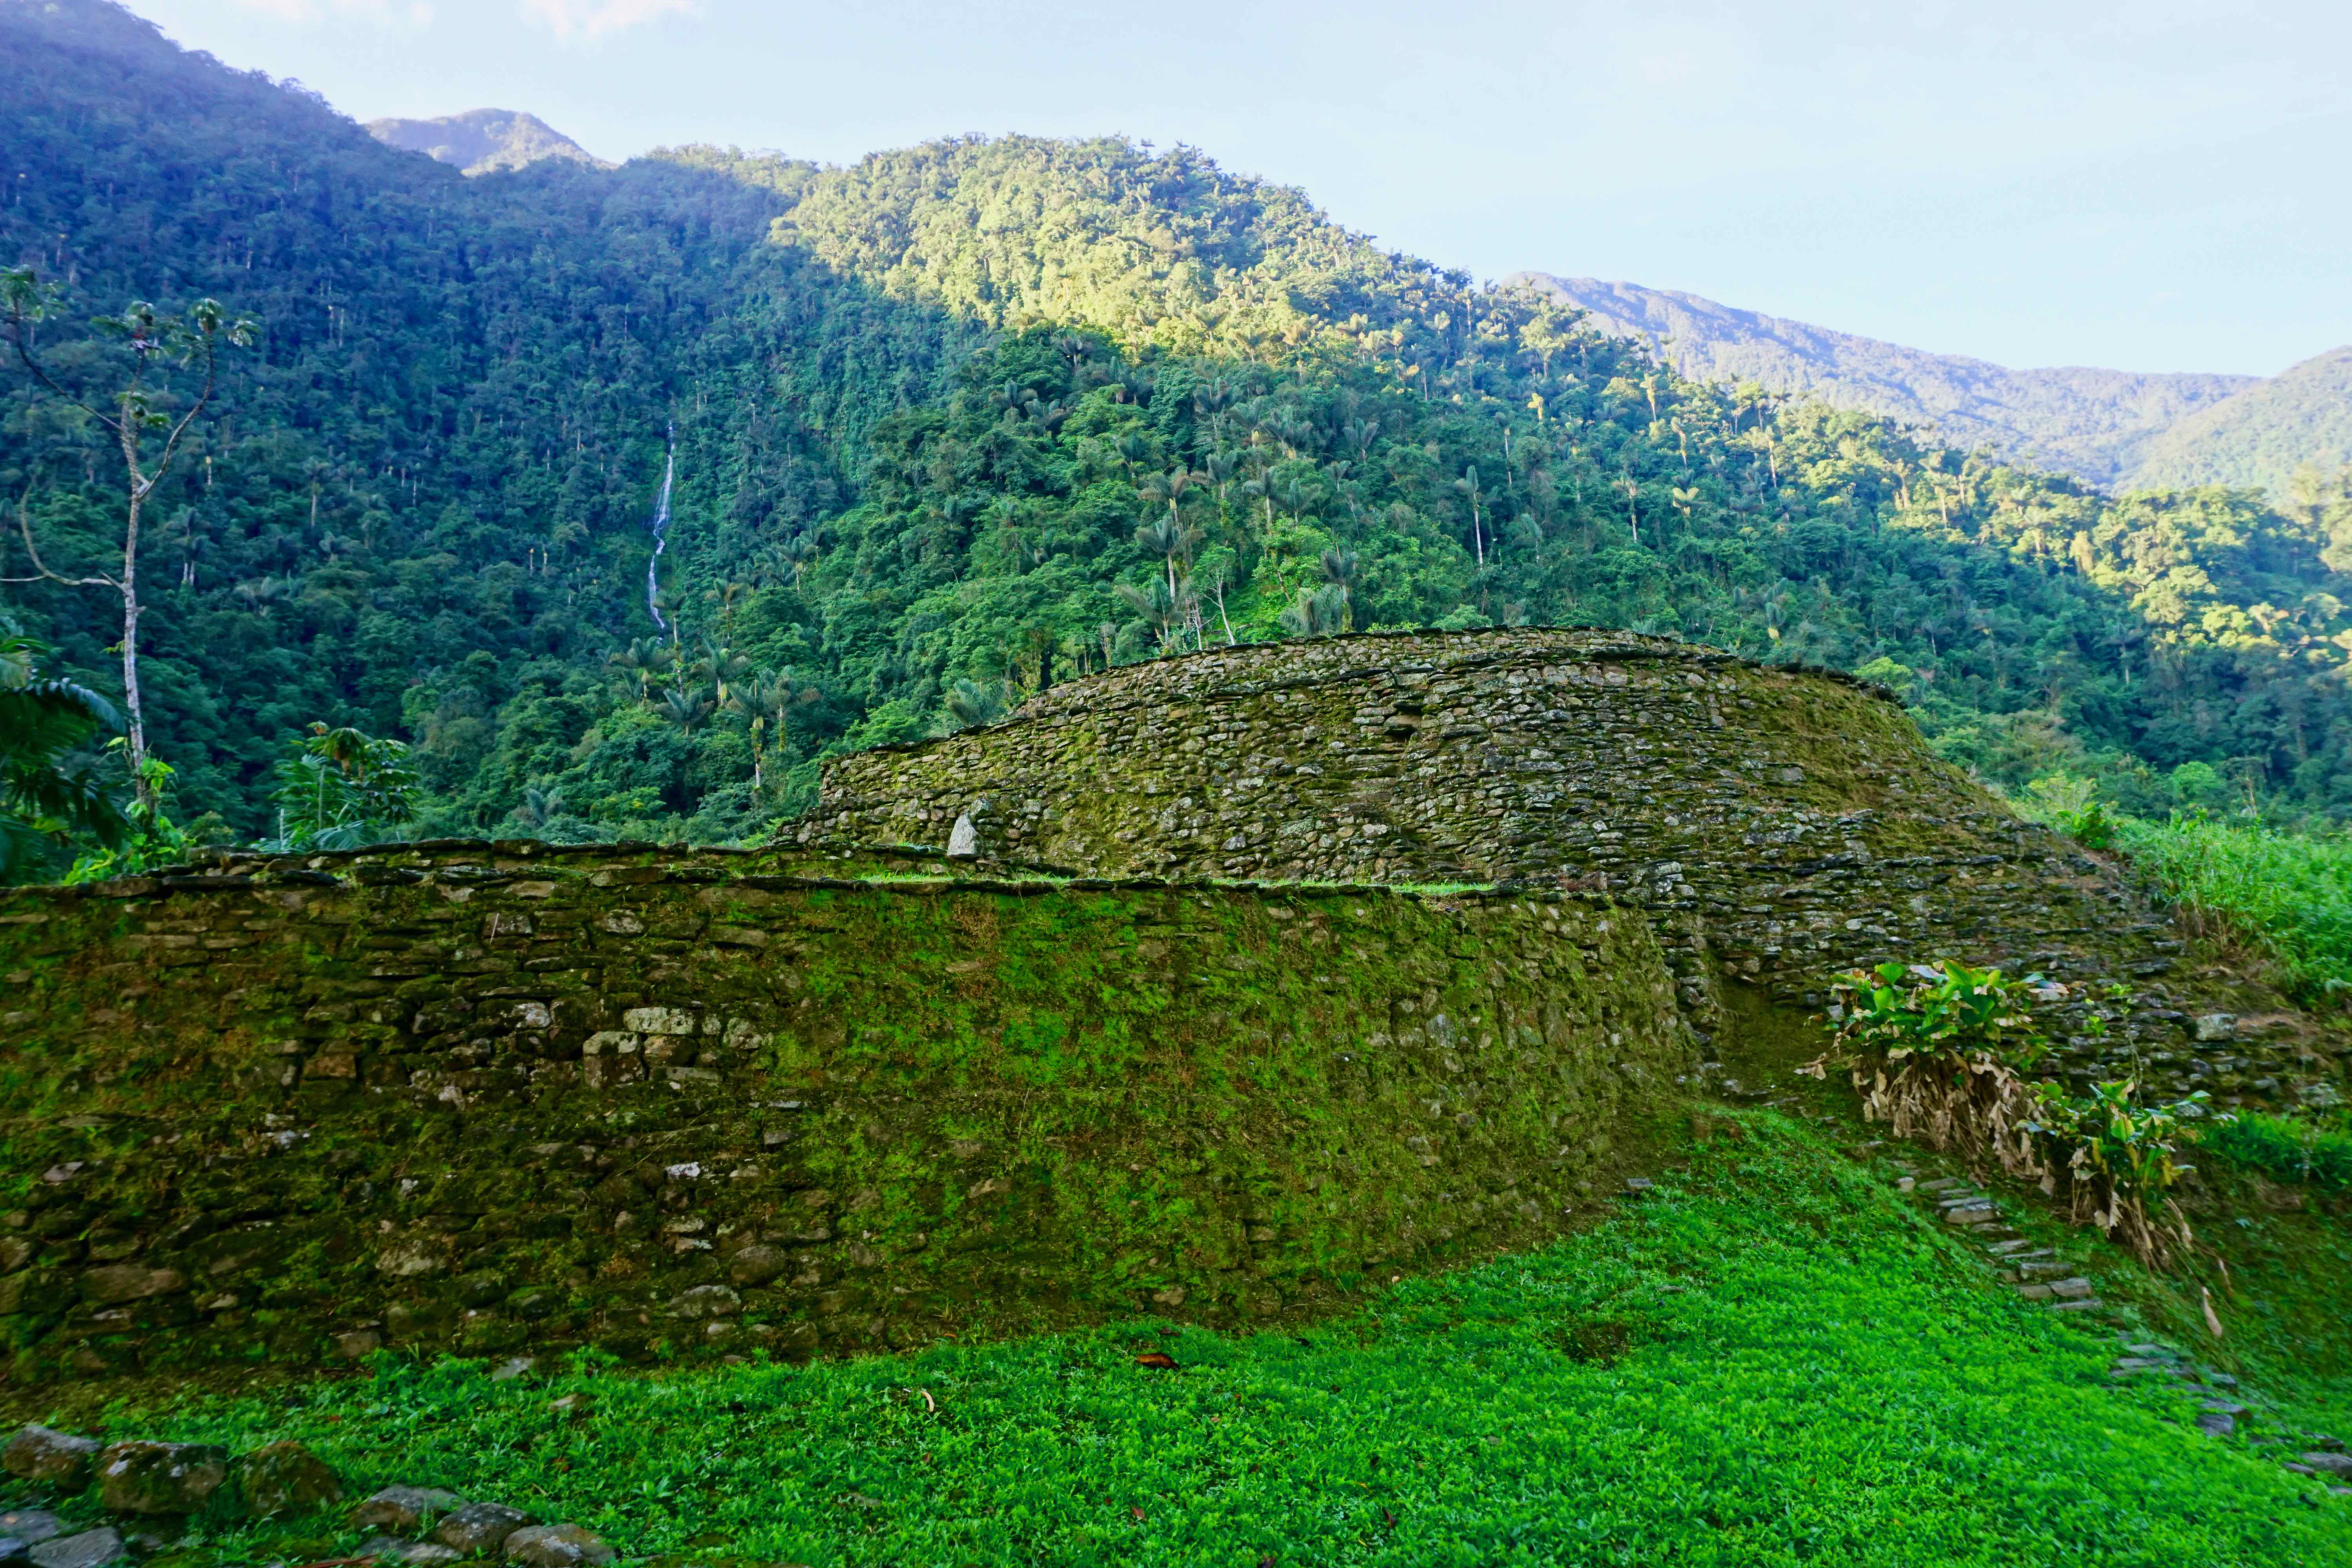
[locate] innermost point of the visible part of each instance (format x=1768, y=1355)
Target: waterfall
x=661, y=529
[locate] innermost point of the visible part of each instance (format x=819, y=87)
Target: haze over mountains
x=2118, y=429
x=483, y=141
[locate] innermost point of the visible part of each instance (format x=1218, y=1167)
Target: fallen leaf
x=1159, y=1358
x=2212, y=1319
x=1136, y=1511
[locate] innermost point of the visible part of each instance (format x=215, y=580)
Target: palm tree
x=768, y=698
x=684, y=707
x=42, y=718
x=970, y=704
x=1338, y=568
x=1468, y=484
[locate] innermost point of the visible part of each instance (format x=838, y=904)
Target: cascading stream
x=661, y=531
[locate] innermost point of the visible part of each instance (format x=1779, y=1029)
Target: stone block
x=160, y=1477
x=480, y=1527
x=286, y=1478
x=556, y=1546
x=404, y=1510
x=50, y=1457
x=90, y=1549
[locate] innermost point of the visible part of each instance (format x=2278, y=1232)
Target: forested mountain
x=958, y=421
x=483, y=141
x=2094, y=424
x=2291, y=435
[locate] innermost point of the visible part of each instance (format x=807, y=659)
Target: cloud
x=591, y=19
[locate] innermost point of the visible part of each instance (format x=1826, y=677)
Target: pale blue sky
x=2160, y=185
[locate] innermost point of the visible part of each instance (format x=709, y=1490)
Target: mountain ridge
x=483, y=141
x=2090, y=421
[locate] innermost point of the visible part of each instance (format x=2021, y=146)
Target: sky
x=2160, y=185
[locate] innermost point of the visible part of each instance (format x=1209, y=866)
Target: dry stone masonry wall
x=487, y=1098
x=1779, y=824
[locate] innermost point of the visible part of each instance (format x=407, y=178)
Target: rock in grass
x=13, y=1551
x=90, y=1549
x=160, y=1477
x=417, y=1553
x=285, y=1477
x=556, y=1546
x=55, y=1459
x=2337, y=1464
x=404, y=1510
x=481, y=1527
x=29, y=1526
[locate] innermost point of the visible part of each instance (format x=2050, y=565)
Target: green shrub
x=2283, y=1146
x=2287, y=894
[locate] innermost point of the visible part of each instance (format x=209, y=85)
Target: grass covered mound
x=1768, y=1358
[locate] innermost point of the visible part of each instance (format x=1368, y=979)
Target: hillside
x=2264, y=437
x=483, y=141
x=955, y=421
x=2094, y=424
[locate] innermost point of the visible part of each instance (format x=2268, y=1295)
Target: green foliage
x=2313, y=1150
x=994, y=412
x=2289, y=895
x=1897, y=1013
x=1766, y=1359
x=340, y=788
x=47, y=800
x=2128, y=1147
x=2072, y=805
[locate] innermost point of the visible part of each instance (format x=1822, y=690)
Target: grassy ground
x=2289, y=894
x=1769, y=1358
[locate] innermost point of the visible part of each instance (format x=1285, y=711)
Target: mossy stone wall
x=499, y=1098
x=1786, y=823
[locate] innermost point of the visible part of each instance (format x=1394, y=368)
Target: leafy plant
x=2120, y=1161
x=42, y=804
x=1939, y=1052
x=342, y=788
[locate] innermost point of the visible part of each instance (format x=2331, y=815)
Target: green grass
x=2287, y=1148
x=1768, y=1359
x=2289, y=894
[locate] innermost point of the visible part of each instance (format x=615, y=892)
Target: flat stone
x=2327, y=1464
x=2216, y=1424
x=129, y=1283
x=556, y=1546
x=1638, y=1183
x=54, y=1458
x=481, y=1527
x=13, y=1551
x=2088, y=1303
x=707, y=1302
x=160, y=1477
x=421, y=1554
x=514, y=1367
x=90, y=1549
x=404, y=1510
x=758, y=1264
x=286, y=1478
x=30, y=1525
x=2074, y=1290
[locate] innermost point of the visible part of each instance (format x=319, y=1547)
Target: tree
x=157, y=342
x=42, y=804
x=768, y=699
x=340, y=788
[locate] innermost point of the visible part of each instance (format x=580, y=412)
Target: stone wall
x=490, y=1098
x=1790, y=823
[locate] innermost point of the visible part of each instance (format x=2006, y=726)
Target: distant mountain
x=2095, y=424
x=483, y=141
x=2303, y=417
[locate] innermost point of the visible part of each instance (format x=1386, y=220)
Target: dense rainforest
x=925, y=434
